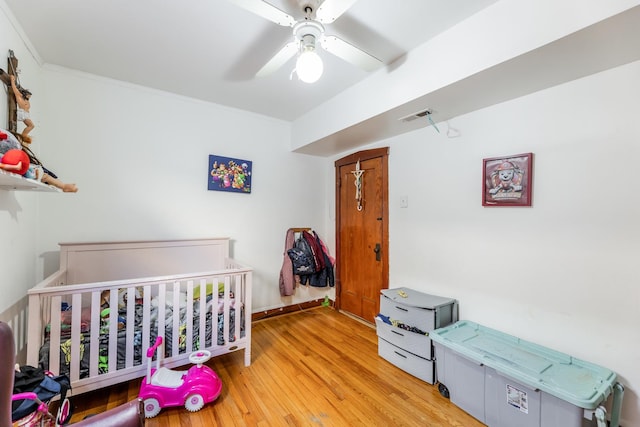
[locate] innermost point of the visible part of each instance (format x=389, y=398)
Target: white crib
x=188, y=291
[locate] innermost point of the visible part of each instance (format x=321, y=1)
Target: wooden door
x=362, y=262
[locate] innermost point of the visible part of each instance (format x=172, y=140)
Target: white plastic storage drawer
x=413, y=308
x=415, y=365
x=418, y=344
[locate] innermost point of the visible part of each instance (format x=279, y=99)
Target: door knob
x=377, y=251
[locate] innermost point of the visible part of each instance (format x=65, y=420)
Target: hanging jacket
x=323, y=276
x=287, y=281
x=302, y=258
x=316, y=250
x=329, y=277
x=332, y=260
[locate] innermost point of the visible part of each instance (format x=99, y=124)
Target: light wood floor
x=312, y=368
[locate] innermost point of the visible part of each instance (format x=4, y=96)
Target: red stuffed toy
x=16, y=161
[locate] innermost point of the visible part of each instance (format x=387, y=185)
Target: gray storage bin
x=504, y=381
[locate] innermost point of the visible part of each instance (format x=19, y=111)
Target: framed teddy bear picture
x=506, y=181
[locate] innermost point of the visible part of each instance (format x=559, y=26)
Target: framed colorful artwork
x=229, y=174
x=506, y=181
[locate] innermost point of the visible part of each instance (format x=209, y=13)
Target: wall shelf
x=11, y=181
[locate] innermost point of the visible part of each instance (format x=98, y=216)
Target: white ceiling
x=211, y=49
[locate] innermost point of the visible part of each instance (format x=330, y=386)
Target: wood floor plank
x=313, y=368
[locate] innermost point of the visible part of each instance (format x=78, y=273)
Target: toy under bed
x=75, y=328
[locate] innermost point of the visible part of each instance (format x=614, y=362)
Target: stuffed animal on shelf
x=34, y=168
x=15, y=161
x=8, y=142
x=12, y=158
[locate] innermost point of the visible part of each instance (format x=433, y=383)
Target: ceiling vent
x=416, y=115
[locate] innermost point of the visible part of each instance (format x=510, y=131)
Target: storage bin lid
x=580, y=383
x=416, y=299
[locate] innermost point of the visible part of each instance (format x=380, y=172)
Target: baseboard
x=265, y=314
x=358, y=319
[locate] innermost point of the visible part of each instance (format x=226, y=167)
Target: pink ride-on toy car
x=164, y=387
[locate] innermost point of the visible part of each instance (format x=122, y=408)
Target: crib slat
x=215, y=303
x=130, y=326
x=161, y=308
x=202, y=331
x=226, y=310
x=237, y=314
x=189, y=318
x=246, y=298
x=35, y=329
x=54, y=335
x=146, y=321
x=94, y=334
x=74, y=356
x=113, y=330
x=175, y=324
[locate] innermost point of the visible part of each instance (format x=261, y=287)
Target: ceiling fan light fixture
x=309, y=66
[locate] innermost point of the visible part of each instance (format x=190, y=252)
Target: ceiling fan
x=308, y=34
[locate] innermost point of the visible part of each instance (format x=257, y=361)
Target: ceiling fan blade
x=330, y=10
x=266, y=10
x=279, y=59
x=350, y=53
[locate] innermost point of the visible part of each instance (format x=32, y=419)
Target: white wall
x=18, y=210
x=140, y=160
x=563, y=273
